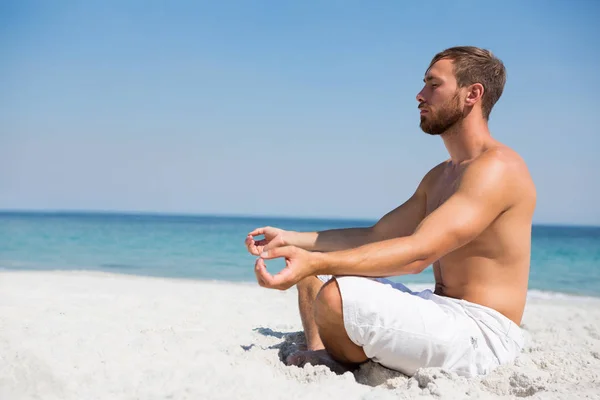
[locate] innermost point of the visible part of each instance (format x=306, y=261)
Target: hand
x=274, y=238
x=299, y=264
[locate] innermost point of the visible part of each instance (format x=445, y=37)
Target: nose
x=420, y=97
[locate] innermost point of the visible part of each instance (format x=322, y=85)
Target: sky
x=281, y=108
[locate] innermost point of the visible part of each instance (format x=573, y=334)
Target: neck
x=467, y=139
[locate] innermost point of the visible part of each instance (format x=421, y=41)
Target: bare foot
x=316, y=357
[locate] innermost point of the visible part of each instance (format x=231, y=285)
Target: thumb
x=277, y=252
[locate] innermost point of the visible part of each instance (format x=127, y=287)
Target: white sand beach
x=88, y=335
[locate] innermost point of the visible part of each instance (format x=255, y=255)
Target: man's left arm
x=483, y=194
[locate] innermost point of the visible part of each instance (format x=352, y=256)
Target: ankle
x=314, y=345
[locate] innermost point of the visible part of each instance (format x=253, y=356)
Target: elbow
x=421, y=265
x=424, y=256
x=416, y=267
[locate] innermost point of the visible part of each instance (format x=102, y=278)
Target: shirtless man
x=470, y=217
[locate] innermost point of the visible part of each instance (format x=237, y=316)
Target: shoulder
x=500, y=161
x=500, y=169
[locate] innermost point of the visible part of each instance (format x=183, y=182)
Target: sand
x=87, y=335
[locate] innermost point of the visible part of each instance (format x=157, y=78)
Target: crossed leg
x=321, y=313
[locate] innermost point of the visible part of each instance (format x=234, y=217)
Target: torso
x=493, y=269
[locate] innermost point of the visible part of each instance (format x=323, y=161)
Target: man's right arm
x=402, y=221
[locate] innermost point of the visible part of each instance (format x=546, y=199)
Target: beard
x=438, y=122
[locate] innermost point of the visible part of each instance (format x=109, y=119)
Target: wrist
x=288, y=238
x=321, y=263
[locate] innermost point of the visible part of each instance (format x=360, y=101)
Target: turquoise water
x=564, y=259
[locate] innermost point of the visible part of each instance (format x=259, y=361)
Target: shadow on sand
x=369, y=373
x=292, y=342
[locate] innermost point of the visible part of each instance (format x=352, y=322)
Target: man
x=470, y=217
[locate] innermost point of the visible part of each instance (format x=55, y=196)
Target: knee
x=309, y=286
x=304, y=284
x=328, y=305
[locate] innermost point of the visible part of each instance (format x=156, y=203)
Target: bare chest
x=442, y=189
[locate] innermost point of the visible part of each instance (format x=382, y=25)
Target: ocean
x=565, y=260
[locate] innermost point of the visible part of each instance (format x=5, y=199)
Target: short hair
x=476, y=65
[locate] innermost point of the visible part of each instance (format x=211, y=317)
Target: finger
x=257, y=232
x=249, y=241
x=283, y=280
x=257, y=268
x=252, y=248
x=273, y=244
x=277, y=252
x=262, y=275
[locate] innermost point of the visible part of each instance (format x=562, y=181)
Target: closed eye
x=431, y=81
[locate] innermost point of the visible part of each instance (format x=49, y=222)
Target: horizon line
x=231, y=215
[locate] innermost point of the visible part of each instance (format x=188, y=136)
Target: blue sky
x=279, y=107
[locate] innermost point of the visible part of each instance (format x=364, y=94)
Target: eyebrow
x=429, y=78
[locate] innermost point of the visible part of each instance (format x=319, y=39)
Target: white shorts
x=405, y=330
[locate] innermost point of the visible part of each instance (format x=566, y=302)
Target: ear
x=474, y=94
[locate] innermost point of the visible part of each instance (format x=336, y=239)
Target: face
x=440, y=99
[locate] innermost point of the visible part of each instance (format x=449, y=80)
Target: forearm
x=331, y=240
x=392, y=257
